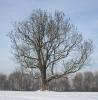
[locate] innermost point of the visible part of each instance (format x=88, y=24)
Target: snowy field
x=38, y=95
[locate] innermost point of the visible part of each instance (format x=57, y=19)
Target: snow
x=47, y=95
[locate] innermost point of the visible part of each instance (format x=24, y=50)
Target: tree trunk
x=44, y=85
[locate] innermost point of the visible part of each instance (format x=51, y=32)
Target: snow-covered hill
x=38, y=95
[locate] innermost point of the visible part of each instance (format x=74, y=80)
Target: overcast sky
x=83, y=14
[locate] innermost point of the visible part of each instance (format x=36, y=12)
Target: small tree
x=96, y=81
x=15, y=81
x=78, y=82
x=3, y=82
x=88, y=81
x=65, y=84
x=44, y=40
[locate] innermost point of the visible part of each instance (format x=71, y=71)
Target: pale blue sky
x=83, y=14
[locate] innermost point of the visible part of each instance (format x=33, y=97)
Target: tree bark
x=44, y=84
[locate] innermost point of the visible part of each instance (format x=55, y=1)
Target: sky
x=83, y=14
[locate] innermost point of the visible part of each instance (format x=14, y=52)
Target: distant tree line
x=19, y=81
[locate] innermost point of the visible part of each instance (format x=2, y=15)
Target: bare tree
x=96, y=81
x=44, y=40
x=88, y=81
x=65, y=84
x=78, y=82
x=15, y=81
x=3, y=82
x=60, y=84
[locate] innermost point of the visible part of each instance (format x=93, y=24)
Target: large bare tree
x=50, y=44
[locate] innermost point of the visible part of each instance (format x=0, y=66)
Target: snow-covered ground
x=38, y=95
